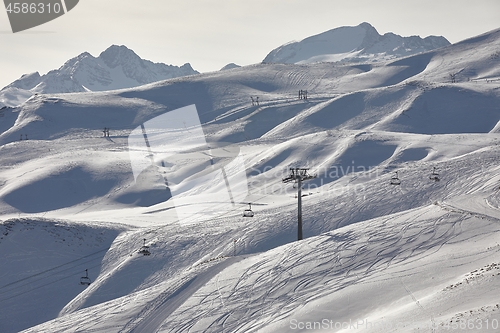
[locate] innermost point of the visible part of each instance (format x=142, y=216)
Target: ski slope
x=419, y=254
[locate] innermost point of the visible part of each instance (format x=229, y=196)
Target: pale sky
x=212, y=33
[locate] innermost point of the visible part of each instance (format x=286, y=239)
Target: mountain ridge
x=360, y=43
x=117, y=67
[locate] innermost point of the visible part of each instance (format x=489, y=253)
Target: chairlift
x=248, y=212
x=144, y=250
x=434, y=175
x=85, y=280
x=395, y=179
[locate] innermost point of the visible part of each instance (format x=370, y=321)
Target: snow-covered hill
x=361, y=43
x=115, y=68
x=413, y=255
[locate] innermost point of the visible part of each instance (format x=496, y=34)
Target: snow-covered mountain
x=422, y=256
x=230, y=66
x=361, y=43
x=115, y=68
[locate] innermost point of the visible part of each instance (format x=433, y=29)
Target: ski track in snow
x=311, y=285
x=167, y=304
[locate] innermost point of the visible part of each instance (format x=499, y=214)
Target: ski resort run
x=395, y=164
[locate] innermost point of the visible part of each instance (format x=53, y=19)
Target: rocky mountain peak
x=360, y=43
x=115, y=68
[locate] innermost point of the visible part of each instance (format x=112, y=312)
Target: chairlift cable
x=48, y=276
x=45, y=284
x=53, y=268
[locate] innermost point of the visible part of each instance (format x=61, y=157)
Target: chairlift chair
x=85, y=280
x=395, y=179
x=248, y=212
x=144, y=250
x=434, y=175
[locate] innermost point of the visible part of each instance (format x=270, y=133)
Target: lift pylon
x=298, y=175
